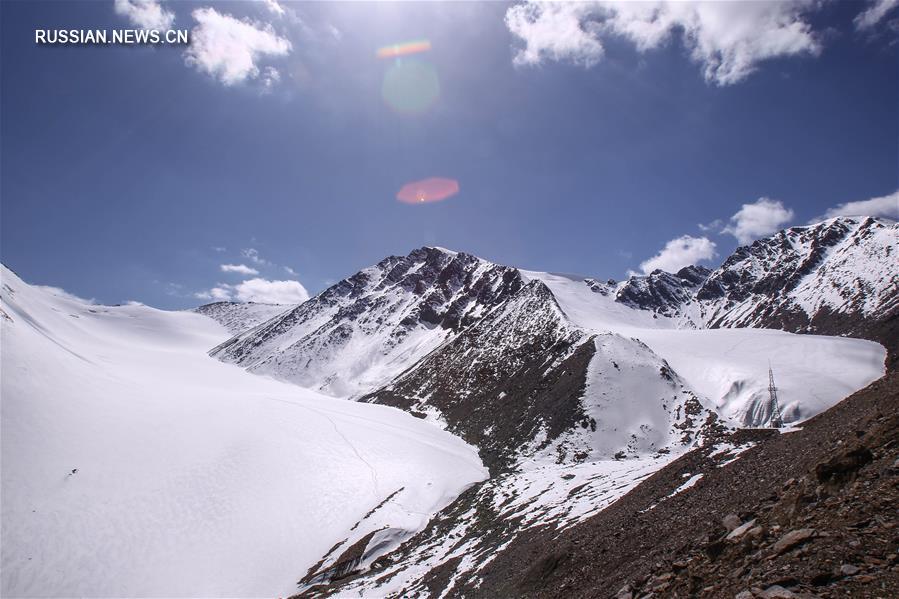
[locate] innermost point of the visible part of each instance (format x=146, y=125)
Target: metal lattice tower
x=776, y=419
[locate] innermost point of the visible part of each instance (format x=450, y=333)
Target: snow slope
x=729, y=367
x=194, y=477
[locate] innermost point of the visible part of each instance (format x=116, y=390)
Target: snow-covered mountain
x=182, y=475
x=575, y=390
x=136, y=465
x=525, y=382
x=833, y=277
x=239, y=317
x=827, y=278
x=363, y=331
x=476, y=345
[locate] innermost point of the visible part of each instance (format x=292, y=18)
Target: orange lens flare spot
x=434, y=189
x=404, y=49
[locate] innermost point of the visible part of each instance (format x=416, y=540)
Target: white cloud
x=680, y=252
x=222, y=293
x=218, y=248
x=728, y=39
x=252, y=254
x=274, y=7
x=887, y=206
x=228, y=48
x=762, y=217
x=553, y=31
x=239, y=268
x=335, y=32
x=270, y=77
x=716, y=226
x=290, y=271
x=874, y=14
x=271, y=292
x=255, y=290
x=146, y=14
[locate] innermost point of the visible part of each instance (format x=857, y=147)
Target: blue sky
x=584, y=138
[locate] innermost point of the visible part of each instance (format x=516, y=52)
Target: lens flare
x=404, y=49
x=410, y=86
x=425, y=191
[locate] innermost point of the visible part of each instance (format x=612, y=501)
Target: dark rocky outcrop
x=662, y=292
x=519, y=369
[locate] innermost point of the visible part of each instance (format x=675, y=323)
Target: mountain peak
x=358, y=333
x=440, y=249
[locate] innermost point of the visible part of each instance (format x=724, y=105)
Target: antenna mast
x=776, y=418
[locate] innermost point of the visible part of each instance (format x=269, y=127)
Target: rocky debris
x=776, y=592
x=739, y=531
x=625, y=592
x=792, y=539
x=798, y=536
x=842, y=469
x=795, y=536
x=849, y=570
x=731, y=522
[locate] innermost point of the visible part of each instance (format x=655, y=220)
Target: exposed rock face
x=515, y=376
x=836, y=277
x=662, y=292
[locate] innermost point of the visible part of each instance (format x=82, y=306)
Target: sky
x=263, y=161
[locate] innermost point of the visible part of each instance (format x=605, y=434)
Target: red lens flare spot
x=434, y=189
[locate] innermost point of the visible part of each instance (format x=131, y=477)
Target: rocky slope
x=808, y=514
x=524, y=381
x=750, y=513
x=575, y=390
x=834, y=277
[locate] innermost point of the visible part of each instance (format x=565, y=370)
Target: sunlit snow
x=136, y=465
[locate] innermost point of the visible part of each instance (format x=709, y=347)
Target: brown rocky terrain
x=811, y=513
x=806, y=513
